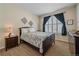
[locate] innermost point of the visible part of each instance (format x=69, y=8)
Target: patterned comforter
x=35, y=38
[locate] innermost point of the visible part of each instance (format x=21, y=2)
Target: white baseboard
x=64, y=40
x=2, y=47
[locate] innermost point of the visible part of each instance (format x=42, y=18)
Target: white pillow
x=25, y=30
x=32, y=30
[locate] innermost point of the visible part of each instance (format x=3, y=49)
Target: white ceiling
x=42, y=8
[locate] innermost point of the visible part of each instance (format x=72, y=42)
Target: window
x=53, y=25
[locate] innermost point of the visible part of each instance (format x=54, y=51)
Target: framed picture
x=70, y=22
x=24, y=20
x=30, y=23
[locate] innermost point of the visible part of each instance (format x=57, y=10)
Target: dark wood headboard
x=20, y=30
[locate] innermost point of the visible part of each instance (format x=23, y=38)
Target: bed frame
x=47, y=43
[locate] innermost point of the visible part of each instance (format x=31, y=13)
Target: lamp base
x=9, y=35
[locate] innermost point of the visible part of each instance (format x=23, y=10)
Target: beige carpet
x=59, y=49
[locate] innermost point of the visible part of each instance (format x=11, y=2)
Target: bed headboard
x=20, y=30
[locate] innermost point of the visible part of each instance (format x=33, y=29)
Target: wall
x=77, y=11
x=69, y=14
x=12, y=15
x=1, y=27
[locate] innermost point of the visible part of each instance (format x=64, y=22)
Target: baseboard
x=63, y=41
x=2, y=48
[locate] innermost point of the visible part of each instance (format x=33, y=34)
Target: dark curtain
x=44, y=22
x=60, y=17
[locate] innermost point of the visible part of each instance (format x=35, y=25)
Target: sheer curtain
x=53, y=25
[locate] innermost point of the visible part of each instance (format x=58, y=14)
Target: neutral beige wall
x=77, y=11
x=70, y=13
x=1, y=27
x=15, y=14
x=12, y=15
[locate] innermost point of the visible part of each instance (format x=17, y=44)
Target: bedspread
x=35, y=38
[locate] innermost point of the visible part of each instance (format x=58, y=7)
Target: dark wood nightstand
x=11, y=42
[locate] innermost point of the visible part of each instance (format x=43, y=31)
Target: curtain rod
x=57, y=13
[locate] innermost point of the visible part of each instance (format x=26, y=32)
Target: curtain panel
x=60, y=17
x=44, y=22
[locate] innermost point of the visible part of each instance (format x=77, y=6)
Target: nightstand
x=11, y=42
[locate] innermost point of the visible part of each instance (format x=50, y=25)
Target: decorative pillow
x=25, y=30
x=32, y=30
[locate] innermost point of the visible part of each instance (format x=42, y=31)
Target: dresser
x=11, y=42
x=77, y=45
x=74, y=43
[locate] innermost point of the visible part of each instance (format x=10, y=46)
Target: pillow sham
x=32, y=30
x=25, y=30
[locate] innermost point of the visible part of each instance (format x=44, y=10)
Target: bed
x=41, y=40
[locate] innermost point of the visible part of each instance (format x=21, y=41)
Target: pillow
x=32, y=30
x=25, y=30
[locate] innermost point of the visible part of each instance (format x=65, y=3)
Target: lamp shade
x=8, y=29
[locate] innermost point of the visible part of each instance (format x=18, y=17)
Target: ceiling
x=42, y=8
